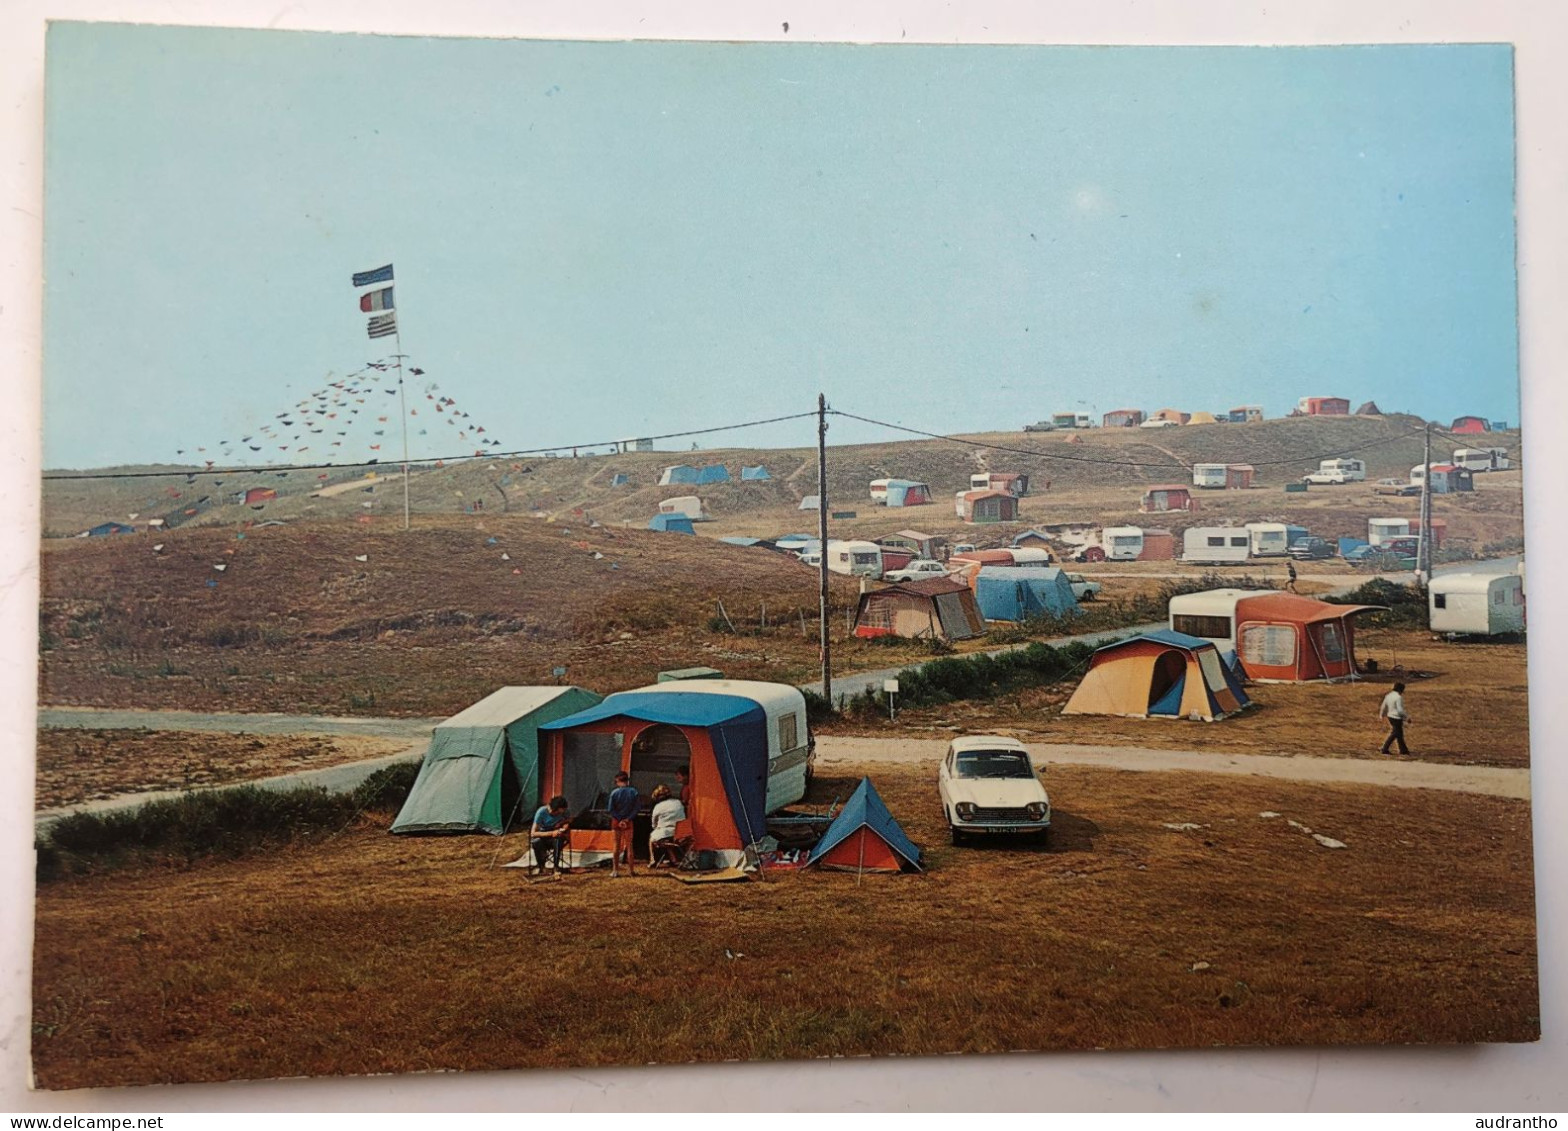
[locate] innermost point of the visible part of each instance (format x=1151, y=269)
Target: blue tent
x=106, y=528
x=680, y=473
x=754, y=473
x=713, y=473
x=1348, y=544
x=620, y=479
x=1020, y=592
x=671, y=523
x=882, y=843
x=737, y=729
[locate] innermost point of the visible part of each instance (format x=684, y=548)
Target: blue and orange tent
x=1160, y=674
x=864, y=837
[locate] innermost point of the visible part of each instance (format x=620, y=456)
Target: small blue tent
x=106, y=528
x=671, y=523
x=755, y=474
x=713, y=473
x=620, y=479
x=865, y=837
x=1019, y=592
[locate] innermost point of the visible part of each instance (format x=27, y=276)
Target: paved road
x=95, y=718
x=1494, y=781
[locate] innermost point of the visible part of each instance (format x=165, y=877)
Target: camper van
x=1122, y=543
x=1273, y=539
x=1482, y=459
x=1476, y=604
x=855, y=559
x=1215, y=545
x=1208, y=475
x=1337, y=471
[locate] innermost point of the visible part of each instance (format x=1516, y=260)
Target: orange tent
x=1281, y=637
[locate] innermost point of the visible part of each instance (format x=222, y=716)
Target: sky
x=603, y=240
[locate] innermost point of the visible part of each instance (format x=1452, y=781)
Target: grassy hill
x=1101, y=459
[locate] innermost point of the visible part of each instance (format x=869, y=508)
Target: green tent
x=483, y=763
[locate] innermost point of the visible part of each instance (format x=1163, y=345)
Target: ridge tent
x=754, y=474
x=746, y=743
x=483, y=762
x=104, y=529
x=937, y=608
x=907, y=493
x=620, y=479
x=1019, y=592
x=864, y=837
x=671, y=523
x=1168, y=674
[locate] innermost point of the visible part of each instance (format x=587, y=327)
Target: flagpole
x=402, y=400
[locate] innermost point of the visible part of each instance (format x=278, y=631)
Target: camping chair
x=552, y=856
x=670, y=852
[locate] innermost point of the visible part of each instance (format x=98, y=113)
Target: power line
x=273, y=468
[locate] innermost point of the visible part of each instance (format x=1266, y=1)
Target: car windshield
x=994, y=764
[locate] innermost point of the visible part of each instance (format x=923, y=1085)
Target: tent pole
x=860, y=869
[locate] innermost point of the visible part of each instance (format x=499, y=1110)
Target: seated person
x=551, y=824
x=668, y=812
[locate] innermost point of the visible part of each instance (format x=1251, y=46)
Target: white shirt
x=1393, y=706
x=666, y=815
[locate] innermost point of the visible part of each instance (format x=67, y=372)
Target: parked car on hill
x=1397, y=487
x=1311, y=549
x=989, y=785
x=918, y=570
x=1083, y=588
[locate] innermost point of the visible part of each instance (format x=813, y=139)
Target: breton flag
x=379, y=275
x=372, y=301
x=382, y=326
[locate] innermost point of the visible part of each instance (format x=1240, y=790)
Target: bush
x=220, y=822
x=1404, y=605
x=982, y=676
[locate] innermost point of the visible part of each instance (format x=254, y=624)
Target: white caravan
x=1380, y=530
x=1210, y=615
x=1216, y=545
x=855, y=559
x=1269, y=539
x=1122, y=543
x=1209, y=475
x=1476, y=604
x=1482, y=459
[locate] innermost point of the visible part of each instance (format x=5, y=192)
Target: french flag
x=376, y=300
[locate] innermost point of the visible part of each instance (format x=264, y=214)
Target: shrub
x=1404, y=605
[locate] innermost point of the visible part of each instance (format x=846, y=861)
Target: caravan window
x=1210, y=628
x=1268, y=645
x=1242, y=541
x=789, y=733
x=1440, y=600
x=1333, y=644
x=1220, y=541
x=1497, y=597
x=866, y=558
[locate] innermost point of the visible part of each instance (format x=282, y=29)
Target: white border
x=1513, y=1078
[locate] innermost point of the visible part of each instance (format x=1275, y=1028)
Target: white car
x=1326, y=478
x=1083, y=588
x=917, y=570
x=1160, y=424
x=989, y=785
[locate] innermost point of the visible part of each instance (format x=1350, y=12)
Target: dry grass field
x=83, y=765
x=1469, y=706
x=373, y=954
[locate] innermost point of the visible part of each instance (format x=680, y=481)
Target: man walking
x=1393, y=709
x=1290, y=572
x=624, y=805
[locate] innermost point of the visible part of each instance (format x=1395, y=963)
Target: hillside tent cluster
x=1161, y=673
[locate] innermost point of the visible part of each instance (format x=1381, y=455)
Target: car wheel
x=960, y=838
x=1043, y=837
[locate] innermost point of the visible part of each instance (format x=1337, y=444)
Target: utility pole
x=822, y=542
x=1424, y=546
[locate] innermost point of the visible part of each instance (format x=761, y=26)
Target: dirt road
x=1493, y=781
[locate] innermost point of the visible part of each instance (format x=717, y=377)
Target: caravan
x=1216, y=545
x=1476, y=604
x=855, y=559
x=1482, y=459
x=1273, y=539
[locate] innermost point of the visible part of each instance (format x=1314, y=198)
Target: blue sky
x=596, y=240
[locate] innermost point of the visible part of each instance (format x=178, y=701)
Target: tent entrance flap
x=1170, y=670
x=589, y=763
x=657, y=753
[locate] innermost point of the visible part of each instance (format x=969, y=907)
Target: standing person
x=624, y=805
x=1393, y=709
x=550, y=827
x=683, y=777
x=1290, y=572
